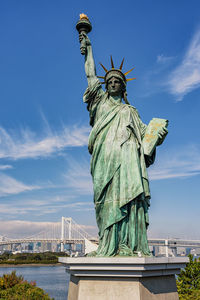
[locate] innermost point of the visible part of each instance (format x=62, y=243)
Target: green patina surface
x=118, y=164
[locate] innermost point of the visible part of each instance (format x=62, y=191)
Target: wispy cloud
x=43, y=205
x=186, y=77
x=153, y=80
x=78, y=176
x=177, y=163
x=5, y=167
x=25, y=143
x=9, y=185
x=18, y=228
x=162, y=59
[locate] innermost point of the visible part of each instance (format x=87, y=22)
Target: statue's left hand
x=162, y=135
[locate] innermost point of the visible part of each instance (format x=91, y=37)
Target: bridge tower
x=167, y=248
x=69, y=222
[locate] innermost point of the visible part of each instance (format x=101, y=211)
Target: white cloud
x=9, y=185
x=5, y=167
x=177, y=163
x=10, y=209
x=164, y=59
x=78, y=176
x=43, y=205
x=27, y=144
x=19, y=229
x=186, y=77
x=153, y=80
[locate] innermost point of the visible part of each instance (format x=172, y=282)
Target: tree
x=188, y=282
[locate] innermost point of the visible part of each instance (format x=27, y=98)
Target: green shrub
x=13, y=287
x=195, y=295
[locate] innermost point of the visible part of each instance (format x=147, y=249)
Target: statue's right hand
x=83, y=36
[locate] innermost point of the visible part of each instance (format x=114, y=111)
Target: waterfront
x=53, y=279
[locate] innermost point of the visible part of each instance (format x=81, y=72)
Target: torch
x=83, y=26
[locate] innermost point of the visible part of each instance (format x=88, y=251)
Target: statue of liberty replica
x=122, y=147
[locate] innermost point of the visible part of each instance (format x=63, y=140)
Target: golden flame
x=83, y=16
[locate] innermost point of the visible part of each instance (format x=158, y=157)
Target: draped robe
x=118, y=169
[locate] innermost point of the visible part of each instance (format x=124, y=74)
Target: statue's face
x=114, y=86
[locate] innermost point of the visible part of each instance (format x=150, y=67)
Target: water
x=53, y=279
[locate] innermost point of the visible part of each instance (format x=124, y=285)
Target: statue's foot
x=91, y=254
x=124, y=250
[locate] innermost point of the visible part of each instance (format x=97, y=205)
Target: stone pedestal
x=123, y=278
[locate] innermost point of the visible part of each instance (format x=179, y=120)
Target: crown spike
x=102, y=77
x=128, y=71
x=112, y=64
x=121, y=64
x=129, y=79
x=104, y=68
x=103, y=82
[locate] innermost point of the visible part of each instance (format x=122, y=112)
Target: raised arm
x=90, y=69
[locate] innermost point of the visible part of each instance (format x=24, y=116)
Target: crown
x=115, y=72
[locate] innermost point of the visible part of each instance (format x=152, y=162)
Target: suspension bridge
x=65, y=232
x=68, y=232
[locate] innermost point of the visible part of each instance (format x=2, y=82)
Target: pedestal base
x=123, y=278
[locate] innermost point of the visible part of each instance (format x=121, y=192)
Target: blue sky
x=44, y=125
